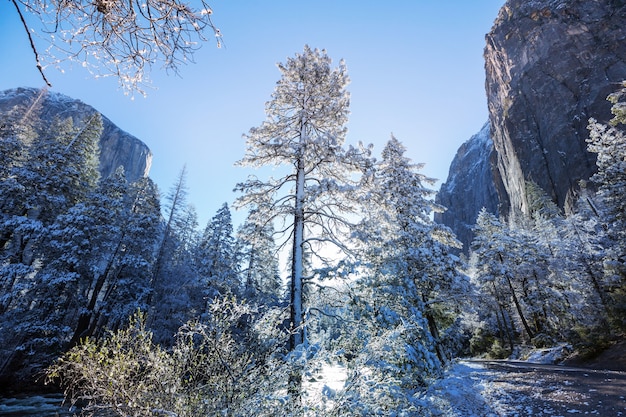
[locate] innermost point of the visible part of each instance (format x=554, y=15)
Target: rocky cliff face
x=549, y=66
x=117, y=148
x=472, y=184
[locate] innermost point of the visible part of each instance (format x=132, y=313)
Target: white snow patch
x=460, y=392
x=551, y=355
x=329, y=380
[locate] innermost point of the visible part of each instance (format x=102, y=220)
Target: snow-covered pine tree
x=217, y=257
x=174, y=209
x=305, y=130
x=82, y=246
x=516, y=270
x=609, y=143
x=260, y=269
x=129, y=271
x=584, y=246
x=552, y=263
x=62, y=167
x=177, y=289
x=52, y=172
x=57, y=170
x=18, y=129
x=489, y=268
x=410, y=280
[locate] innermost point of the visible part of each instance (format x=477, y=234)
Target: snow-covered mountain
x=117, y=147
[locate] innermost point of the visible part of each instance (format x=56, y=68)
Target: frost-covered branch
x=119, y=38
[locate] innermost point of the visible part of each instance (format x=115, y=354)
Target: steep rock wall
x=549, y=66
x=472, y=184
x=117, y=148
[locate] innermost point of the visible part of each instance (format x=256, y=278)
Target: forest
x=113, y=292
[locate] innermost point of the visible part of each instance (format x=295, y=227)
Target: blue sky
x=416, y=70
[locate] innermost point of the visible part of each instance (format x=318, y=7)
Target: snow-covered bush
x=209, y=371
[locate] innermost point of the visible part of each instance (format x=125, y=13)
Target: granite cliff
x=117, y=148
x=550, y=65
x=472, y=184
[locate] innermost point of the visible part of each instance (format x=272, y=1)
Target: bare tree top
x=120, y=38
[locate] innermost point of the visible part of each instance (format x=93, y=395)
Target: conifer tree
x=491, y=273
x=304, y=131
x=410, y=280
x=260, y=269
x=609, y=143
x=57, y=170
x=217, y=253
x=176, y=202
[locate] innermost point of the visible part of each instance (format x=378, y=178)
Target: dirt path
x=523, y=389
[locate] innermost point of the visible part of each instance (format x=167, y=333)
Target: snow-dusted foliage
x=304, y=131
x=208, y=371
x=217, y=257
x=527, y=282
x=122, y=40
x=260, y=273
x=407, y=291
x=177, y=289
x=609, y=143
x=546, y=277
x=46, y=171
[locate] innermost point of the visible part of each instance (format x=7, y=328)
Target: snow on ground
x=468, y=389
x=461, y=393
x=551, y=355
x=329, y=380
x=465, y=391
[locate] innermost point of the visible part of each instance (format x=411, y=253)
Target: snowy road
x=509, y=388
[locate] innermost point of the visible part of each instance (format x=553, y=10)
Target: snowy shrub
x=209, y=371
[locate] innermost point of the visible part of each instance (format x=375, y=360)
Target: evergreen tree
x=217, y=254
x=260, y=269
x=50, y=173
x=129, y=272
x=174, y=213
x=178, y=292
x=583, y=246
x=492, y=276
x=410, y=281
x=54, y=172
x=523, y=268
x=609, y=143
x=61, y=168
x=97, y=259
x=305, y=130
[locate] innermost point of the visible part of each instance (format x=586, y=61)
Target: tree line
x=550, y=276
x=373, y=286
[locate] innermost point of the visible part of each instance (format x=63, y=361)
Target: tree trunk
x=178, y=200
x=296, y=317
x=501, y=310
x=518, y=307
x=434, y=331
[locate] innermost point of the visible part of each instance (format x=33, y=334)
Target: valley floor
x=470, y=388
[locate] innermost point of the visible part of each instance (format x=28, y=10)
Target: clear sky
x=416, y=69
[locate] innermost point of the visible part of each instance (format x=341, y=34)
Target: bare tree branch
x=32, y=44
x=119, y=38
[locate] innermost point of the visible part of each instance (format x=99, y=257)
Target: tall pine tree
x=305, y=131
